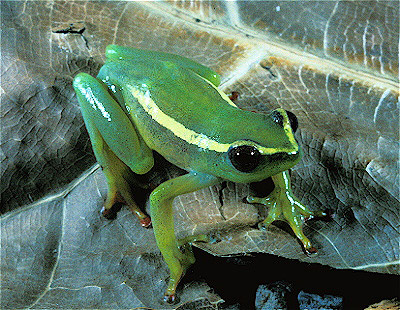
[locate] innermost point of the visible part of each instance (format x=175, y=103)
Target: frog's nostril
x=293, y=121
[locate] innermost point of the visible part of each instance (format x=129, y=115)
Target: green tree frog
x=144, y=101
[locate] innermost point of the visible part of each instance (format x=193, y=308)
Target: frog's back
x=176, y=110
x=173, y=94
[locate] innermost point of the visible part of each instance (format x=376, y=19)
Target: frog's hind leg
x=120, y=180
x=117, y=147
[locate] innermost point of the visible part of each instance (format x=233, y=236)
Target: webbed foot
x=181, y=259
x=283, y=205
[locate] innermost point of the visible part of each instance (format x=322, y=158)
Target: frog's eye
x=278, y=118
x=244, y=158
x=293, y=120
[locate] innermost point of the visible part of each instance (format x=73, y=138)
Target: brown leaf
x=334, y=64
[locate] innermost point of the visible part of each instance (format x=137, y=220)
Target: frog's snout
x=293, y=120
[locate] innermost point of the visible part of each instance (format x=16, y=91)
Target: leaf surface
x=334, y=64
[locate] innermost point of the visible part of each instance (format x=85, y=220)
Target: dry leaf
x=334, y=64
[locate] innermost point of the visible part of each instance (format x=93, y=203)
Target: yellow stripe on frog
x=200, y=140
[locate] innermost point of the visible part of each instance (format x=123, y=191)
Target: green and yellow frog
x=144, y=101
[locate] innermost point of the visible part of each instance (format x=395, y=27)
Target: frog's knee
x=82, y=80
x=142, y=163
x=111, y=50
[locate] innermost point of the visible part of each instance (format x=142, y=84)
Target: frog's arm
x=283, y=205
x=117, y=147
x=177, y=254
x=116, y=52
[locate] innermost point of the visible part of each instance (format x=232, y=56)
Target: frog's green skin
x=145, y=100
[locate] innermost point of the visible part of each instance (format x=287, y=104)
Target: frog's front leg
x=283, y=205
x=177, y=253
x=119, y=150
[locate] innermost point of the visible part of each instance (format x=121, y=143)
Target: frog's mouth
x=283, y=160
x=282, y=157
x=271, y=165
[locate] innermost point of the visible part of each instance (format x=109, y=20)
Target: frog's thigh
x=102, y=112
x=115, y=52
x=120, y=178
x=162, y=216
x=94, y=99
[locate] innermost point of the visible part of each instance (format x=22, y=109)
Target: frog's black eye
x=244, y=158
x=293, y=121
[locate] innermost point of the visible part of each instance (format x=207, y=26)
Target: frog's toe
x=253, y=199
x=111, y=213
x=324, y=215
x=112, y=205
x=145, y=222
x=297, y=226
x=115, y=200
x=178, y=262
x=296, y=215
x=170, y=298
x=274, y=213
x=144, y=219
x=311, y=251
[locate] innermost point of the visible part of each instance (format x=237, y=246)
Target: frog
x=145, y=101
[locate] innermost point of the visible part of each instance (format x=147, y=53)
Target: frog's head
x=267, y=149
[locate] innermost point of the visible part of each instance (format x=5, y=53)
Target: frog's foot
x=181, y=259
x=115, y=200
x=285, y=206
